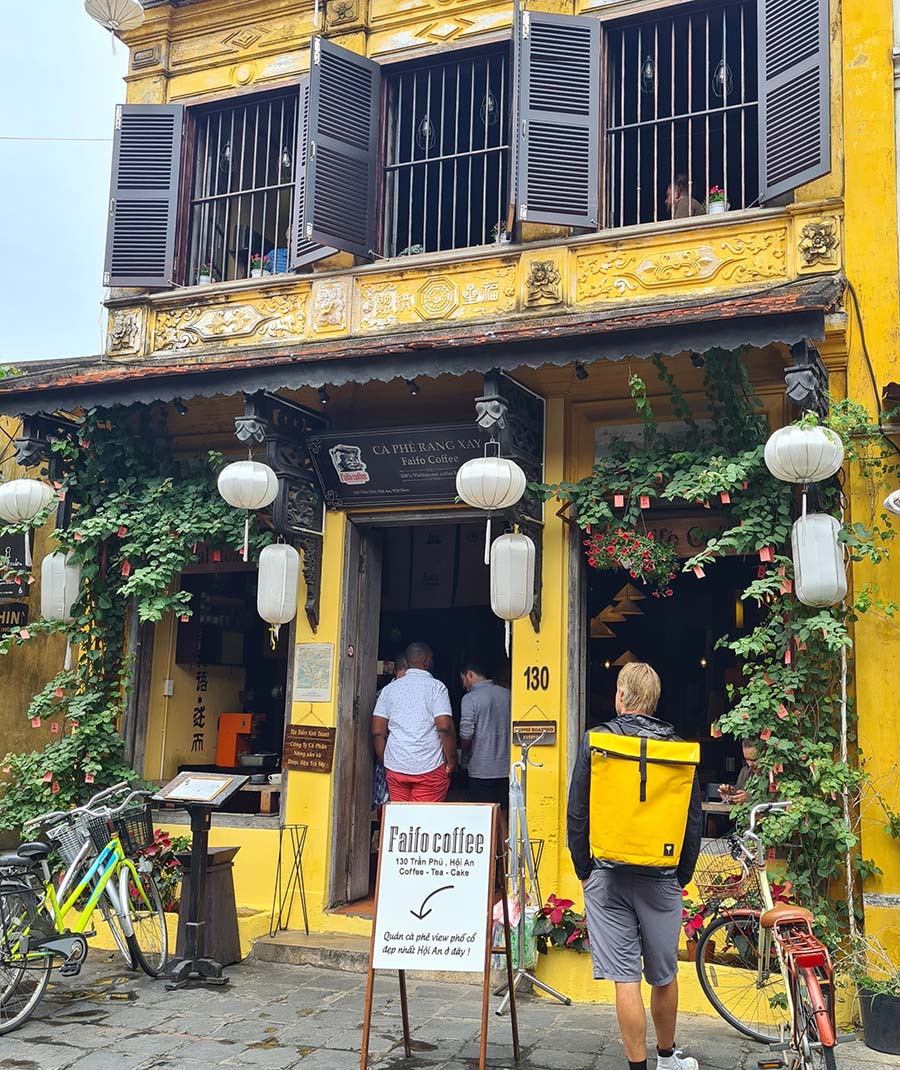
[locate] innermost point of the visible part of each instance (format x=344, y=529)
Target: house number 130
x=537, y=678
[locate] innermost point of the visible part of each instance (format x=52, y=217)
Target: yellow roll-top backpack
x=640, y=797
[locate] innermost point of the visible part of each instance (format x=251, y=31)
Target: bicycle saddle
x=782, y=913
x=34, y=852
x=13, y=861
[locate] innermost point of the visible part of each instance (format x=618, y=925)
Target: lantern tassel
x=247, y=537
x=28, y=561
x=804, y=503
x=67, y=664
x=508, y=636
x=487, y=541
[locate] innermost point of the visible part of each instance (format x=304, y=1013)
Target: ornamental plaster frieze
x=700, y=258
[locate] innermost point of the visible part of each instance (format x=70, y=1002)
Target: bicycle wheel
x=115, y=927
x=816, y=1028
x=23, y=975
x=150, y=943
x=751, y=999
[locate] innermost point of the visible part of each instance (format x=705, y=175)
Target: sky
x=59, y=78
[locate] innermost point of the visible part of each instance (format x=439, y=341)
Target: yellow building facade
x=431, y=298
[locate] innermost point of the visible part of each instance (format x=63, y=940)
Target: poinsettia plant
x=558, y=925
x=692, y=916
x=164, y=865
x=646, y=559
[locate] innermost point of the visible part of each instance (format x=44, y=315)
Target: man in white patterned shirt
x=413, y=732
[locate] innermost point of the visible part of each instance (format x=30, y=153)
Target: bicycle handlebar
x=88, y=808
x=762, y=809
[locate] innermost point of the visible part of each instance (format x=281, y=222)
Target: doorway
x=406, y=580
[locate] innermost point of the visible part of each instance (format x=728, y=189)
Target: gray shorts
x=632, y=916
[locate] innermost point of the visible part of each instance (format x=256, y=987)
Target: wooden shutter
x=344, y=111
x=303, y=251
x=794, y=94
x=558, y=131
x=143, y=203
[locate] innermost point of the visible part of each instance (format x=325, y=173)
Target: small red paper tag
x=765, y=734
x=126, y=568
x=54, y=727
x=54, y=788
x=706, y=505
x=698, y=572
x=783, y=712
x=768, y=679
x=745, y=484
x=782, y=570
x=725, y=498
x=77, y=536
x=787, y=587
x=35, y=722
x=645, y=501
x=47, y=777
x=787, y=656
x=59, y=693
x=6, y=768
x=761, y=572
x=24, y=633
x=122, y=532
x=619, y=501
x=89, y=778
x=716, y=732
x=765, y=554
x=770, y=854
x=30, y=580
x=659, y=477
x=74, y=724
x=184, y=620
x=217, y=555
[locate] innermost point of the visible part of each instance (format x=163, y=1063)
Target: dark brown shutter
x=344, y=109
x=302, y=250
x=794, y=94
x=143, y=203
x=558, y=136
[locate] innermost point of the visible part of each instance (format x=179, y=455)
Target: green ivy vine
x=790, y=702
x=138, y=516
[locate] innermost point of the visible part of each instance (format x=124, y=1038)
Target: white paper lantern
x=512, y=576
x=60, y=586
x=490, y=483
x=804, y=454
x=248, y=485
x=279, y=574
x=115, y=14
x=22, y=499
x=820, y=576
x=892, y=503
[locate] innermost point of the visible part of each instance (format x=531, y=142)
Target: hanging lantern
x=512, y=576
x=820, y=576
x=115, y=15
x=804, y=454
x=490, y=483
x=21, y=500
x=60, y=587
x=248, y=485
x=279, y=574
x=892, y=503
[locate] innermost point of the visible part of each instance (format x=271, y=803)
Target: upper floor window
x=242, y=189
x=681, y=114
x=446, y=173
x=588, y=123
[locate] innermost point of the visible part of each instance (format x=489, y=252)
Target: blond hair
x=638, y=687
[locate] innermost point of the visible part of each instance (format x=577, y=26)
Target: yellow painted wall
x=871, y=266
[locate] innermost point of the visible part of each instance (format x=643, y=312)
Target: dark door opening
x=417, y=583
x=677, y=636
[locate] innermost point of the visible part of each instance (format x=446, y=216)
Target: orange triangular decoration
x=624, y=659
x=600, y=631
x=610, y=615
x=628, y=608
x=629, y=591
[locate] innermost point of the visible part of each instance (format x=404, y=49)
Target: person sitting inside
x=278, y=257
x=679, y=202
x=736, y=793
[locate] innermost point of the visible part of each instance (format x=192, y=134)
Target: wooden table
x=716, y=808
x=269, y=796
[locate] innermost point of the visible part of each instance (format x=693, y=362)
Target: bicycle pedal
x=770, y=1064
x=70, y=969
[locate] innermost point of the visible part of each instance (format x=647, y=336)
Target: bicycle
x=33, y=936
x=773, y=976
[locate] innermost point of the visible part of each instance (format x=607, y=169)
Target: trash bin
x=223, y=942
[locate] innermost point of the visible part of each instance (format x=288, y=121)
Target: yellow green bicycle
x=97, y=845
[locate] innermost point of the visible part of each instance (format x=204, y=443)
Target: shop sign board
x=13, y=615
x=538, y=733
x=394, y=466
x=434, y=882
x=308, y=748
x=12, y=550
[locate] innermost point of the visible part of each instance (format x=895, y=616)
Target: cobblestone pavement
x=278, y=1017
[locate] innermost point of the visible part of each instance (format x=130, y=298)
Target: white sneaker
x=676, y=1061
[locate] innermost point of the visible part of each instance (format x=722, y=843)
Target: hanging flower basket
x=644, y=557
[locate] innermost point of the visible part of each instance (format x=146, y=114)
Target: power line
x=3, y=137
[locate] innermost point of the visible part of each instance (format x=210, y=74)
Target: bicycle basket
x=68, y=838
x=134, y=827
x=720, y=876
x=99, y=830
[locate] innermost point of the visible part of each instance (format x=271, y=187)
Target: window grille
x=446, y=177
x=242, y=189
x=681, y=113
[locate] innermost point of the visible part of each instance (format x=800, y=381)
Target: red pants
x=419, y=787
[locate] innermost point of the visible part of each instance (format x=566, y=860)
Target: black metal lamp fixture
x=697, y=360
x=580, y=371
x=722, y=82
x=648, y=75
x=413, y=387
x=324, y=396
x=179, y=406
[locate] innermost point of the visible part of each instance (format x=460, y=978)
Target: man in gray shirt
x=484, y=731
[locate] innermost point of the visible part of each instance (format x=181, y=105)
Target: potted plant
x=716, y=203
x=558, y=925
x=259, y=266
x=877, y=978
x=500, y=234
x=692, y=918
x=205, y=274
x=644, y=557
x=164, y=866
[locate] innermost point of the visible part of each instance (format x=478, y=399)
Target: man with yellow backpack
x=635, y=820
